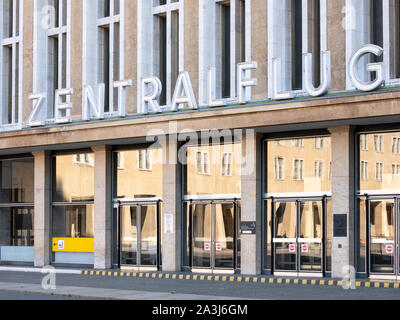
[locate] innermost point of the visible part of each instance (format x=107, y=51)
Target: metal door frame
x=212, y=269
x=139, y=205
x=396, y=221
x=298, y=242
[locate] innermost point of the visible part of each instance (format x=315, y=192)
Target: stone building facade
x=247, y=136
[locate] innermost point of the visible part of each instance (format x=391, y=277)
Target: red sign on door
x=305, y=248
x=292, y=248
x=207, y=246
x=218, y=247
x=389, y=248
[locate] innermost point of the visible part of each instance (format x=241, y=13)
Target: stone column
x=42, y=208
x=172, y=202
x=251, y=202
x=102, y=207
x=343, y=184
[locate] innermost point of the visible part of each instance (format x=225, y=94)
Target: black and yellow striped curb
x=243, y=279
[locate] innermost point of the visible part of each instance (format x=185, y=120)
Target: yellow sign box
x=85, y=245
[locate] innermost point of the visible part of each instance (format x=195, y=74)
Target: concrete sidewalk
x=107, y=294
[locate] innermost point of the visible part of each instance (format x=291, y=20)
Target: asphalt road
x=208, y=288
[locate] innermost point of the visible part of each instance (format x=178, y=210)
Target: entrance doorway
x=384, y=230
x=139, y=235
x=298, y=241
x=213, y=241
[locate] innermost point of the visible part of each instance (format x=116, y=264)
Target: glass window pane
x=329, y=234
x=362, y=236
x=148, y=221
x=141, y=175
x=378, y=164
x=17, y=181
x=267, y=234
x=73, y=221
x=73, y=180
x=204, y=173
x=298, y=166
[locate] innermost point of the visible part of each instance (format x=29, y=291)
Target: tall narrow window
x=230, y=43
x=378, y=143
x=58, y=53
x=319, y=143
x=376, y=25
x=295, y=27
x=165, y=61
x=298, y=169
x=226, y=50
x=226, y=166
x=396, y=145
x=379, y=171
x=297, y=45
x=385, y=32
x=109, y=50
x=279, y=170
x=314, y=38
x=318, y=170
x=364, y=142
x=364, y=170
x=11, y=61
x=395, y=172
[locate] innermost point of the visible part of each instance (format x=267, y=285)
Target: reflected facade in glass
x=17, y=212
x=213, y=170
x=378, y=203
x=73, y=207
x=212, y=232
x=139, y=173
x=17, y=181
x=137, y=228
x=73, y=178
x=300, y=165
x=297, y=205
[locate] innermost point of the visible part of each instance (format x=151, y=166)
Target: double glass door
x=384, y=230
x=213, y=243
x=139, y=235
x=298, y=237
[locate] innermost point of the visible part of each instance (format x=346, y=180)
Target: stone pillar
x=251, y=202
x=42, y=208
x=343, y=188
x=172, y=202
x=102, y=207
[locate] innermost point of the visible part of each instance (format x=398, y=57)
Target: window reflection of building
x=226, y=169
x=295, y=169
x=73, y=202
x=213, y=169
x=298, y=168
x=17, y=212
x=383, y=158
x=213, y=235
x=295, y=172
x=145, y=159
x=139, y=173
x=378, y=143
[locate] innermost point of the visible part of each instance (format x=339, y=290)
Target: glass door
x=285, y=236
x=298, y=237
x=214, y=244
x=139, y=235
x=310, y=237
x=202, y=239
x=384, y=237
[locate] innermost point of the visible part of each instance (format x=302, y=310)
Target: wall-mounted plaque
x=248, y=227
x=340, y=225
